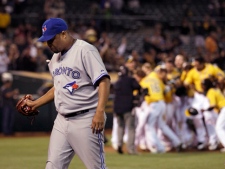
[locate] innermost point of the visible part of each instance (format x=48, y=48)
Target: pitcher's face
x=56, y=43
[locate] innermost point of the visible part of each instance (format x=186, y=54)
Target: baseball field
x=29, y=152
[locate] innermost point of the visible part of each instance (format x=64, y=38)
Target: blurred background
x=145, y=30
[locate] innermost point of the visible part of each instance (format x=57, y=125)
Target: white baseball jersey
x=76, y=75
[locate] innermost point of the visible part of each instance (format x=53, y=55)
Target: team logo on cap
x=44, y=29
x=71, y=87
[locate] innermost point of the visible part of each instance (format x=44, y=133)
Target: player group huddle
x=184, y=107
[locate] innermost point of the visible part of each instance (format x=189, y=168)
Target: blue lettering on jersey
x=66, y=71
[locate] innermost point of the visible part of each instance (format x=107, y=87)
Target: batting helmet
x=192, y=111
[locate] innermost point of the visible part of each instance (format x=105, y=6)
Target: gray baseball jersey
x=76, y=75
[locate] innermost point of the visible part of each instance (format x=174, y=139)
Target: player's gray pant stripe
x=101, y=151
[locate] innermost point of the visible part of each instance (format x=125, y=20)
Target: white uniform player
x=194, y=78
x=155, y=108
x=205, y=134
x=80, y=92
x=141, y=116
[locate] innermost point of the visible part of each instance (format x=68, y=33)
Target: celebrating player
x=216, y=100
x=155, y=108
x=80, y=92
x=195, y=76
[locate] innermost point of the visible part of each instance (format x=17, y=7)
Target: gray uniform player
x=80, y=92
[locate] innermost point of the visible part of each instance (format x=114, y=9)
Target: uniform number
x=155, y=88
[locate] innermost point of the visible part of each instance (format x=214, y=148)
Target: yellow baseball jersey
x=216, y=98
x=169, y=91
x=183, y=76
x=155, y=88
x=190, y=91
x=219, y=72
x=196, y=77
x=174, y=74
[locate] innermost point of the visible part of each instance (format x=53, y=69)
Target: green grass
x=31, y=153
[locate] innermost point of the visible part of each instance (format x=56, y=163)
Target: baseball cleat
x=201, y=146
x=120, y=151
x=115, y=146
x=213, y=147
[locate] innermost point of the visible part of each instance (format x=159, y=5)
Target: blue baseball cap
x=52, y=27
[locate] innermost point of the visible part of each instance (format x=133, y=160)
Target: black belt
x=76, y=113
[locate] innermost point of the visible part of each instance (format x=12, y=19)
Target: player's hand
x=30, y=102
x=98, y=123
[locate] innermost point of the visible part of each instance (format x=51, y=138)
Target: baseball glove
x=24, y=109
x=192, y=111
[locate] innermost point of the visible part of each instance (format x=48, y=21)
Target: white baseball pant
x=154, y=122
x=201, y=102
x=220, y=126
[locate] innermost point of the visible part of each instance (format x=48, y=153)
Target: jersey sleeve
x=94, y=66
x=218, y=71
x=188, y=80
x=211, y=96
x=183, y=76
